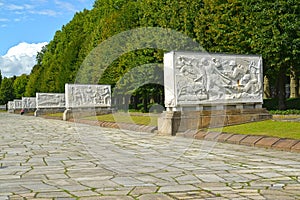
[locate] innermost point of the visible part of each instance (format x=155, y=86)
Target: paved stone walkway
x=51, y=159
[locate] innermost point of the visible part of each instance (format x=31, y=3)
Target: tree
x=20, y=86
x=0, y=77
x=33, y=84
x=235, y=26
x=254, y=27
x=6, y=90
x=277, y=39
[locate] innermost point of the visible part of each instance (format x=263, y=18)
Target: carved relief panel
x=17, y=104
x=87, y=95
x=10, y=105
x=213, y=78
x=50, y=100
x=28, y=102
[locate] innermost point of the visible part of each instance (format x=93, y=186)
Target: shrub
x=291, y=104
x=285, y=112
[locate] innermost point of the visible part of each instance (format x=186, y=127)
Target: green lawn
x=55, y=115
x=267, y=128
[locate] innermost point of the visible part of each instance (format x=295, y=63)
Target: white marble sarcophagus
x=211, y=90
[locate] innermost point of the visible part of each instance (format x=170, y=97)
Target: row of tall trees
x=266, y=27
x=12, y=88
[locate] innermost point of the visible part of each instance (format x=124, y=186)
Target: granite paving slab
x=54, y=159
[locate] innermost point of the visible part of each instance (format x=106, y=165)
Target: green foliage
x=270, y=104
x=33, y=84
x=285, y=112
x=266, y=27
x=291, y=104
x=6, y=90
x=20, y=85
x=0, y=77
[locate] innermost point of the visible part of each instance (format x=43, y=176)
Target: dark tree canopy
x=266, y=27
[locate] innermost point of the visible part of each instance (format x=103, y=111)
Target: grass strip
x=281, y=129
x=127, y=118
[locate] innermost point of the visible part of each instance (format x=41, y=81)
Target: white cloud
x=15, y=7
x=20, y=59
x=28, y=6
x=4, y=20
x=39, y=1
x=65, y=5
x=45, y=12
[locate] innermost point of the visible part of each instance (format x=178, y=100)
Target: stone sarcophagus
x=84, y=96
x=17, y=104
x=50, y=100
x=86, y=100
x=204, y=90
x=10, y=106
x=47, y=103
x=29, y=103
x=2, y=107
x=194, y=78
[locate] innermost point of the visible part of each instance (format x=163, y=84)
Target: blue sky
x=33, y=22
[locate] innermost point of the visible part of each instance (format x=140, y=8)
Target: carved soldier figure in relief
x=97, y=97
x=253, y=84
x=215, y=79
x=106, y=96
x=88, y=93
x=190, y=72
x=76, y=96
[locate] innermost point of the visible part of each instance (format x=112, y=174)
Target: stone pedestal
x=37, y=113
x=77, y=113
x=211, y=90
x=45, y=111
x=172, y=122
x=169, y=122
x=67, y=114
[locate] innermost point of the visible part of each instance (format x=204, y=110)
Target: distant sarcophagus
x=28, y=102
x=17, y=104
x=50, y=100
x=87, y=96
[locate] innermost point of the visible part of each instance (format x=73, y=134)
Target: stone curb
x=251, y=140
x=126, y=126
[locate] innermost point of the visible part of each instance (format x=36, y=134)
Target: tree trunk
x=294, y=84
x=126, y=102
x=145, y=102
x=298, y=87
x=135, y=102
x=281, y=89
x=267, y=93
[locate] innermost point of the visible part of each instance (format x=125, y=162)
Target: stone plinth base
x=17, y=111
x=78, y=113
x=10, y=111
x=171, y=122
x=45, y=111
